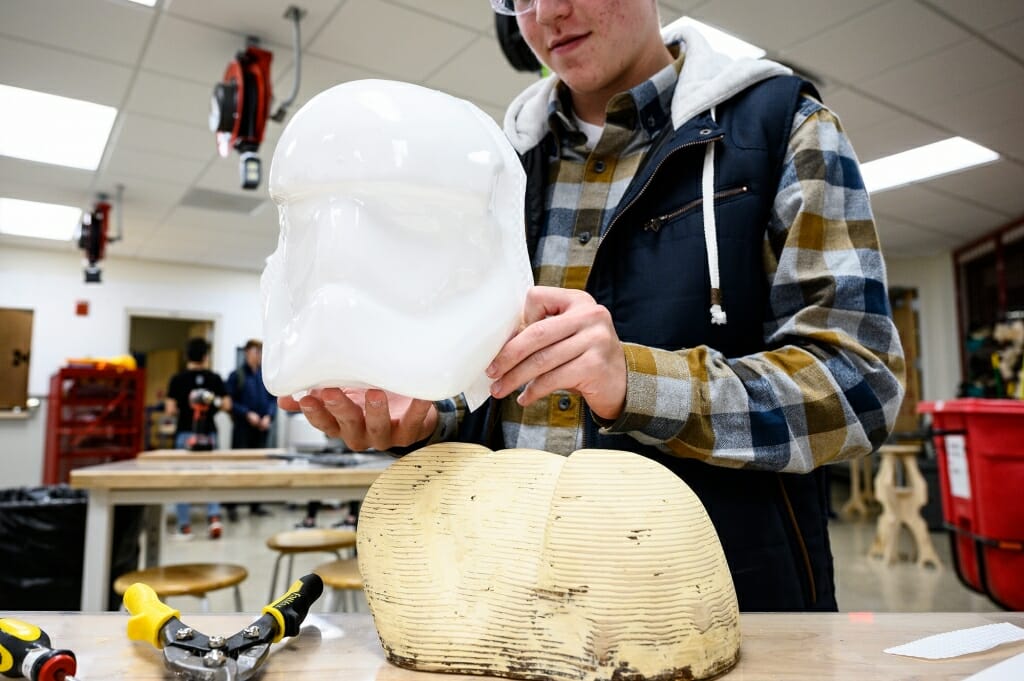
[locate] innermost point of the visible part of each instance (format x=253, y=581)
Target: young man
x=710, y=288
x=252, y=411
x=196, y=423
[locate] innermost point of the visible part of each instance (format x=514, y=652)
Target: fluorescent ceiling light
x=723, y=42
x=147, y=3
x=931, y=160
x=39, y=220
x=37, y=126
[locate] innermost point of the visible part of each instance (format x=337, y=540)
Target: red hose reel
x=241, y=101
x=239, y=109
x=92, y=239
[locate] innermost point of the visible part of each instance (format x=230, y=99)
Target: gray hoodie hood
x=707, y=79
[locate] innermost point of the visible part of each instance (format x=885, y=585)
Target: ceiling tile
x=954, y=72
x=191, y=51
x=62, y=73
x=981, y=14
x=172, y=99
x=318, y=74
x=481, y=73
x=150, y=166
x=892, y=136
x=475, y=15
x=774, y=27
x=843, y=53
x=416, y=44
x=43, y=176
x=116, y=30
x=1010, y=36
x=261, y=18
x=935, y=211
x=998, y=185
x=981, y=110
x=857, y=111
x=151, y=198
x=1006, y=139
x=144, y=133
x=899, y=239
x=683, y=6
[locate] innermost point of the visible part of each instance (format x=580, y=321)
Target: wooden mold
x=602, y=565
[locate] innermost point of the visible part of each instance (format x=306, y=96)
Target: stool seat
x=313, y=539
x=186, y=579
x=340, y=575
x=306, y=540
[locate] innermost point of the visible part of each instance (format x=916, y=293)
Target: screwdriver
x=25, y=652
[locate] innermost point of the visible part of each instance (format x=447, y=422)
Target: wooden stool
x=341, y=575
x=187, y=579
x=862, y=496
x=901, y=505
x=306, y=541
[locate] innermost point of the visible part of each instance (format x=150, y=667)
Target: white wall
x=50, y=282
x=936, y=301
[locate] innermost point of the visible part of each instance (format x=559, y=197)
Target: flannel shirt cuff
x=447, y=421
x=657, y=395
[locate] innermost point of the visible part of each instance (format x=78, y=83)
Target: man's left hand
x=568, y=342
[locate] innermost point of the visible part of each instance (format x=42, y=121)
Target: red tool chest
x=94, y=416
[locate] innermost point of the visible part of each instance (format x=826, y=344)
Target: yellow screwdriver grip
x=149, y=614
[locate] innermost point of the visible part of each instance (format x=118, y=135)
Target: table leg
x=151, y=531
x=96, y=568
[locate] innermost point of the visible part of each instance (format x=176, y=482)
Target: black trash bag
x=42, y=544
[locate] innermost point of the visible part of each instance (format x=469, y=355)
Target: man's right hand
x=366, y=418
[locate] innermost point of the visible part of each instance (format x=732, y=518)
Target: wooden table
x=199, y=478
x=776, y=647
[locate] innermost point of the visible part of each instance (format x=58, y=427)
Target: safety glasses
x=513, y=8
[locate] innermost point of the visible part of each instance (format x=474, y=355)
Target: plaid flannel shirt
x=686, y=402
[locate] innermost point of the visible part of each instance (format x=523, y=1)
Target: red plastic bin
x=979, y=444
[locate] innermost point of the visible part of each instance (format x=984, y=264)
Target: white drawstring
x=711, y=231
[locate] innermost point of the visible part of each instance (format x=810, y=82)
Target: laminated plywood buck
x=529, y=565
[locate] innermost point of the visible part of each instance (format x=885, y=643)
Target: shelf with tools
x=94, y=416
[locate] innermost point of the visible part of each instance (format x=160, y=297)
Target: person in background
x=193, y=424
x=252, y=412
x=710, y=289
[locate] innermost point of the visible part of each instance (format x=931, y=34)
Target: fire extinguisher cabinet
x=94, y=416
x=979, y=444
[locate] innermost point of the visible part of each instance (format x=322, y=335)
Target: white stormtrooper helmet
x=401, y=262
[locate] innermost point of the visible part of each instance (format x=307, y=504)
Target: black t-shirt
x=184, y=383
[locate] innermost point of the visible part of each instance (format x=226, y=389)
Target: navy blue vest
x=651, y=272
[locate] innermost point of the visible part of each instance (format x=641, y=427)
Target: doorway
x=158, y=345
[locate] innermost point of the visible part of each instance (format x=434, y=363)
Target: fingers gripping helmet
x=401, y=262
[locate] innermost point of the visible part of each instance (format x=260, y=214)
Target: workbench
x=199, y=477
x=776, y=647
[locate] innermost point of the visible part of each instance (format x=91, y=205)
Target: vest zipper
x=654, y=224
x=711, y=140
x=650, y=178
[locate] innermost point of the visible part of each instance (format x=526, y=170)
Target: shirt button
x=598, y=166
x=564, y=402
x=584, y=237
